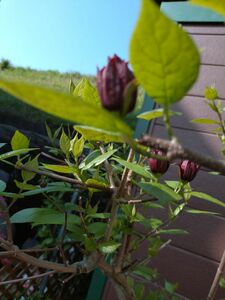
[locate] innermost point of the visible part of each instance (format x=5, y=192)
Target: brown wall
x=192, y=259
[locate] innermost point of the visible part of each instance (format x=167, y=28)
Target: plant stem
x=215, y=284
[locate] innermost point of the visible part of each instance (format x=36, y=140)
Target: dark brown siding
x=192, y=260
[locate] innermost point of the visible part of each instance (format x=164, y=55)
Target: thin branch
x=52, y=158
x=87, y=265
x=27, y=278
x=62, y=252
x=75, y=182
x=123, y=183
x=175, y=151
x=14, y=252
x=215, y=284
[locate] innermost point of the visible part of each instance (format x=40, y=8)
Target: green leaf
x=109, y=247
x=40, y=216
x=97, y=228
x=64, y=143
x=90, y=245
x=59, y=168
x=99, y=160
x=211, y=93
x=33, y=164
x=173, y=231
x=15, y=153
x=48, y=189
x=99, y=215
x=156, y=113
x=134, y=167
x=66, y=106
x=78, y=147
x=95, y=134
x=222, y=283
x=87, y=92
x=19, y=141
x=164, y=58
x=160, y=191
x=145, y=272
x=208, y=198
x=200, y=212
x=89, y=158
x=170, y=287
x=2, y=186
x=25, y=186
x=217, y=5
x=78, y=234
x=205, y=121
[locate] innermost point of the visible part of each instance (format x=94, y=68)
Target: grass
x=18, y=114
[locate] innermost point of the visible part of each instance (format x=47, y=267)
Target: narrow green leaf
x=66, y=106
x=40, y=216
x=208, y=198
x=109, y=247
x=99, y=160
x=217, y=5
x=205, y=121
x=160, y=191
x=200, y=212
x=156, y=113
x=19, y=141
x=78, y=147
x=64, y=143
x=134, y=167
x=173, y=231
x=164, y=58
x=95, y=134
x=15, y=153
x=59, y=168
x=48, y=189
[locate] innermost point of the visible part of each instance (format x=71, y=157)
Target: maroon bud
x=157, y=165
x=112, y=82
x=188, y=170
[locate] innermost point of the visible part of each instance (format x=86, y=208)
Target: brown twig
x=215, y=284
x=62, y=252
x=14, y=252
x=87, y=265
x=27, y=278
x=53, y=158
x=74, y=182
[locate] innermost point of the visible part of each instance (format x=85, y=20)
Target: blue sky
x=66, y=35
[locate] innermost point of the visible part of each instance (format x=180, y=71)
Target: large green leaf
x=160, y=191
x=40, y=216
x=217, y=5
x=59, y=168
x=66, y=106
x=164, y=58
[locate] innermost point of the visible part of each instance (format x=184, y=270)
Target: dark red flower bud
x=157, y=165
x=188, y=170
x=114, y=83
